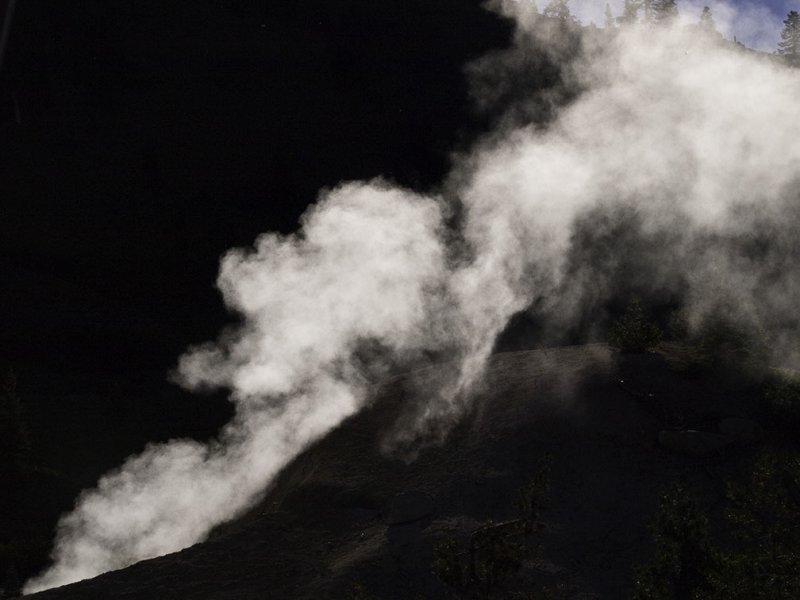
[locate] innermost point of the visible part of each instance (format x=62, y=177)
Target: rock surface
x=410, y=506
x=693, y=443
x=743, y=431
x=344, y=513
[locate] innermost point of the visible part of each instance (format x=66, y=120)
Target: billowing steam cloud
x=691, y=139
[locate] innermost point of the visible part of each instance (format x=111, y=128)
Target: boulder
x=408, y=507
x=744, y=431
x=693, y=443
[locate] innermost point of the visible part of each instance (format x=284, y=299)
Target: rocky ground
x=618, y=428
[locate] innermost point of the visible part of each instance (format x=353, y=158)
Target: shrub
x=496, y=551
x=736, y=350
x=726, y=345
x=683, y=552
x=764, y=516
x=494, y=554
x=634, y=332
x=762, y=563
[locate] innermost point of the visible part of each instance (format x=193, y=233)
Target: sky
x=756, y=23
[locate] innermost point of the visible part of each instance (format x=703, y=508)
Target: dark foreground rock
x=408, y=507
x=693, y=443
x=344, y=515
x=743, y=431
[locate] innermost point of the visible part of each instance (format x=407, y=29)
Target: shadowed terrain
x=343, y=513
x=143, y=140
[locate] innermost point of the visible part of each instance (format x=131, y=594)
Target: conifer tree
x=648, y=7
x=630, y=12
x=558, y=9
x=610, y=21
x=664, y=10
x=707, y=20
x=789, y=45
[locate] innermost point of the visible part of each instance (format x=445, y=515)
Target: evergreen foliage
x=736, y=351
x=494, y=556
x=630, y=13
x=648, y=8
x=664, y=11
x=707, y=21
x=683, y=551
x=610, y=20
x=733, y=348
x=495, y=552
x=789, y=45
x=634, y=332
x=559, y=9
x=762, y=516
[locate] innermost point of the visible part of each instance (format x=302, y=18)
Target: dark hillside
x=343, y=514
x=621, y=184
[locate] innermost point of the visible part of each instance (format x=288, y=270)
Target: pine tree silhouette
x=664, y=11
x=789, y=46
x=610, y=21
x=630, y=13
x=707, y=20
x=558, y=9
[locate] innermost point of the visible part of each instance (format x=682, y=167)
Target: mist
x=750, y=21
x=685, y=143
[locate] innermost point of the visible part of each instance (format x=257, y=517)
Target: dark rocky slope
x=344, y=513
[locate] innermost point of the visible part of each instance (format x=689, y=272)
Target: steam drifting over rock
x=695, y=142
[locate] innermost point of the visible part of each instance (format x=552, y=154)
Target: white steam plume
x=364, y=267
x=683, y=131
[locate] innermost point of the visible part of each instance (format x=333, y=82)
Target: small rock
x=744, y=431
x=408, y=507
x=693, y=443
